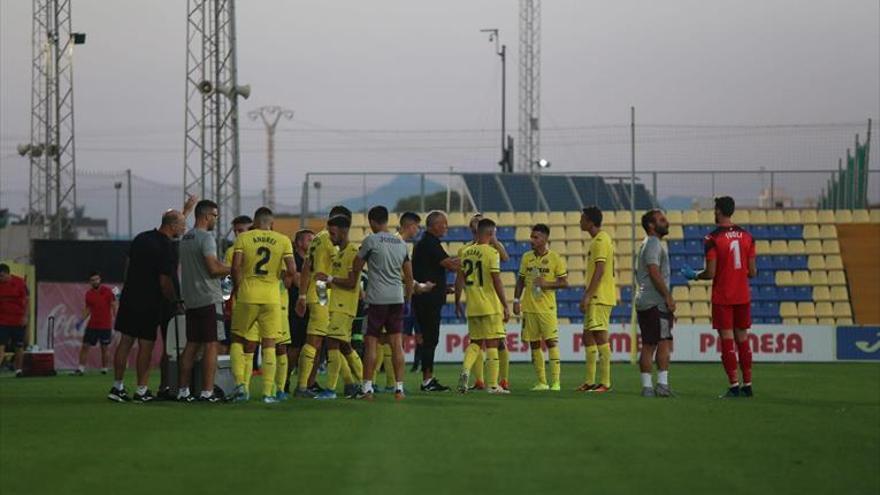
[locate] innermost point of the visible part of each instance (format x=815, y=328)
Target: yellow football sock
x=281, y=372
x=478, y=366
x=380, y=359
x=388, y=361
x=306, y=363
x=592, y=356
x=334, y=363
x=356, y=365
x=503, y=364
x=471, y=355
x=538, y=363
x=248, y=370
x=345, y=371
x=236, y=358
x=492, y=364
x=605, y=354
x=555, y=366
x=269, y=371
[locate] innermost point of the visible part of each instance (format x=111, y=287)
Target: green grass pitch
x=812, y=428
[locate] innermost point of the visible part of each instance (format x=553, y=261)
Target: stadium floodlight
x=23, y=149
x=205, y=87
x=543, y=163
x=32, y=150
x=231, y=92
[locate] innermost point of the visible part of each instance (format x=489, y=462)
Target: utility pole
x=506, y=162
x=118, y=187
x=128, y=179
x=529, y=84
x=270, y=117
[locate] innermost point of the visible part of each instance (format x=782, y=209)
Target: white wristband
x=515, y=300
x=329, y=279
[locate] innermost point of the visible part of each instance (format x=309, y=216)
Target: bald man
x=150, y=288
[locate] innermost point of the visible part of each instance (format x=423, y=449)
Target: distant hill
x=401, y=186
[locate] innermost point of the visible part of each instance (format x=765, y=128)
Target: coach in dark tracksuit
x=430, y=263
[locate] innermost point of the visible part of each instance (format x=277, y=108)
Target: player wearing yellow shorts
x=319, y=260
x=343, y=305
x=541, y=273
x=261, y=259
x=599, y=298
x=487, y=311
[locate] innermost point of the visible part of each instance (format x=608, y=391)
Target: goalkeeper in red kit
x=730, y=263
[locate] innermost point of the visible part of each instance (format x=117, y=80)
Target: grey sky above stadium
x=350, y=66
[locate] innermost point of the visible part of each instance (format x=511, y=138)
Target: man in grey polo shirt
x=390, y=284
x=201, y=272
x=654, y=304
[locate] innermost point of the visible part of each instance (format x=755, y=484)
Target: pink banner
x=65, y=302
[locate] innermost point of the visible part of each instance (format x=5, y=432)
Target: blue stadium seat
x=765, y=293
x=794, y=231
x=693, y=232
x=621, y=311
x=450, y=278
x=626, y=293
x=769, y=263
x=677, y=261
x=506, y=233
x=797, y=262
x=694, y=246
x=760, y=232
x=765, y=277
x=447, y=311
x=676, y=247
x=458, y=234
x=511, y=265
x=696, y=261
x=676, y=279
x=803, y=293
x=777, y=232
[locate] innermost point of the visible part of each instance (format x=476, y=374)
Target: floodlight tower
x=211, y=144
x=529, y=84
x=51, y=150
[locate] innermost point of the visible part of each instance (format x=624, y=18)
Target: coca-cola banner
x=63, y=303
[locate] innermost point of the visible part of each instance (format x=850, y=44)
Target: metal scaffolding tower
x=52, y=193
x=529, y=85
x=211, y=146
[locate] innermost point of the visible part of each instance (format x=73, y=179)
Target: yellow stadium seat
x=784, y=278
x=683, y=309
x=358, y=220
x=817, y=277
x=623, y=232
x=523, y=218
x=506, y=218
x=561, y=247
x=843, y=216
x=680, y=293
x=572, y=218
x=801, y=277
x=676, y=233
x=683, y=321
x=690, y=217
x=834, y=262
x=522, y=234
x=828, y=232
x=836, y=277
x=874, y=215
x=624, y=262
x=623, y=217
x=707, y=217
x=821, y=293
x=608, y=218
x=576, y=263
x=573, y=232
x=816, y=262
x=830, y=247
x=811, y=231
x=813, y=246
x=825, y=216
x=742, y=217
x=808, y=321
x=356, y=234
x=624, y=277
x=564, y=321
x=762, y=246
x=775, y=217
x=674, y=217
x=792, y=216
x=824, y=310
x=490, y=214
x=758, y=217
x=576, y=278
x=826, y=321
x=861, y=216
x=796, y=247
x=778, y=247
x=702, y=321
x=456, y=219
x=843, y=321
x=508, y=279
x=557, y=218
x=623, y=247
x=806, y=310
x=810, y=216
x=700, y=310
x=454, y=247
x=576, y=247
x=699, y=294
x=541, y=217
x=842, y=310
x=393, y=218
x=790, y=321
x=839, y=293
x=788, y=310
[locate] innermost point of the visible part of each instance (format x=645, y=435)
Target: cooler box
x=41, y=362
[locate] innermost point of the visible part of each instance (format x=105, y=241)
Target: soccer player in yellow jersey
x=261, y=259
x=343, y=304
x=319, y=260
x=599, y=298
x=503, y=355
x=541, y=273
x=487, y=311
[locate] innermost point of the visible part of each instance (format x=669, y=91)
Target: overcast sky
x=349, y=66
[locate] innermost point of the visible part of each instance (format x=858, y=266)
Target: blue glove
x=407, y=309
x=688, y=273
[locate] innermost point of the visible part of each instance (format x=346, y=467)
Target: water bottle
x=226, y=287
x=536, y=274
x=321, y=289
x=116, y=292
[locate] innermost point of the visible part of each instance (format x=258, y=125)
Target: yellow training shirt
x=344, y=300
x=478, y=263
x=602, y=249
x=550, y=266
x=263, y=253
x=320, y=256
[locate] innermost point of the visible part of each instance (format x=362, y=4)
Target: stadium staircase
x=802, y=276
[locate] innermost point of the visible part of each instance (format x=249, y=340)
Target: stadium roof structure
x=552, y=192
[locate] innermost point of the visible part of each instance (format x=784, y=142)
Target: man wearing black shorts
x=100, y=309
x=201, y=272
x=13, y=315
x=298, y=324
x=149, y=289
x=654, y=304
